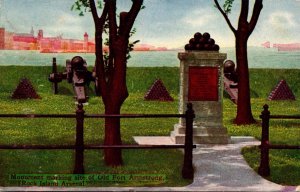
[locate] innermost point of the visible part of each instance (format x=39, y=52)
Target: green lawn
x=166, y=162
x=285, y=164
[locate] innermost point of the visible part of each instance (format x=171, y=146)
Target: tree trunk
x=112, y=157
x=244, y=114
x=111, y=79
x=113, y=102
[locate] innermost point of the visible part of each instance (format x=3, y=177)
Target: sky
x=164, y=23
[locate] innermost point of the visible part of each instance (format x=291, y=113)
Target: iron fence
x=79, y=147
x=264, y=167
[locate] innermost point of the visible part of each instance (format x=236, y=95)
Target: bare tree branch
x=255, y=15
x=94, y=10
x=113, y=28
x=113, y=34
x=99, y=63
x=225, y=16
x=123, y=19
x=103, y=15
x=131, y=16
x=244, y=12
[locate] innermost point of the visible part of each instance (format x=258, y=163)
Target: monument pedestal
x=201, y=83
x=202, y=135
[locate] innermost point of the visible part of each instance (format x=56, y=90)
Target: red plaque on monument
x=203, y=84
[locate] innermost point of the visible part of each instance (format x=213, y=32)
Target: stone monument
x=201, y=83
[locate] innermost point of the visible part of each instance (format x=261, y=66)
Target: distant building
x=146, y=47
x=9, y=40
x=266, y=44
x=24, y=41
x=287, y=47
x=2, y=38
x=27, y=41
x=86, y=41
x=40, y=34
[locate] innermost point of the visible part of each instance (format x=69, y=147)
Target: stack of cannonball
x=202, y=42
x=158, y=92
x=25, y=90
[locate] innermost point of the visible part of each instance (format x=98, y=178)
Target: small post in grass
x=79, y=145
x=264, y=167
x=54, y=71
x=187, y=169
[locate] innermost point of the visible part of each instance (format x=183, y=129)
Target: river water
x=258, y=58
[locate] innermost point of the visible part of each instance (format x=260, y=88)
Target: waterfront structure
x=287, y=47
x=28, y=41
x=283, y=46
x=2, y=38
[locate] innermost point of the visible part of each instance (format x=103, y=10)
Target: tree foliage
x=227, y=6
x=83, y=6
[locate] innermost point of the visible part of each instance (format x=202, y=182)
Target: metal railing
x=79, y=147
x=264, y=167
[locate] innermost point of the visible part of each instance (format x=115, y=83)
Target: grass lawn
x=285, y=164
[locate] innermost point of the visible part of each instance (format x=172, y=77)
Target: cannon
x=231, y=73
x=76, y=73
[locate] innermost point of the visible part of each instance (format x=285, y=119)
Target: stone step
x=153, y=140
x=201, y=139
x=202, y=130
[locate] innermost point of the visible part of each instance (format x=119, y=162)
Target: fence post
x=264, y=167
x=54, y=71
x=79, y=145
x=187, y=169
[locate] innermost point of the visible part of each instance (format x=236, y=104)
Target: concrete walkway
x=217, y=168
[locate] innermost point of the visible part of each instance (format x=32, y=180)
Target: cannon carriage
x=77, y=74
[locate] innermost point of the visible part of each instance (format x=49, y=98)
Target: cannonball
x=229, y=66
x=211, y=41
x=197, y=35
x=188, y=47
x=202, y=40
x=193, y=46
x=216, y=47
x=206, y=36
x=207, y=47
x=199, y=46
x=192, y=41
